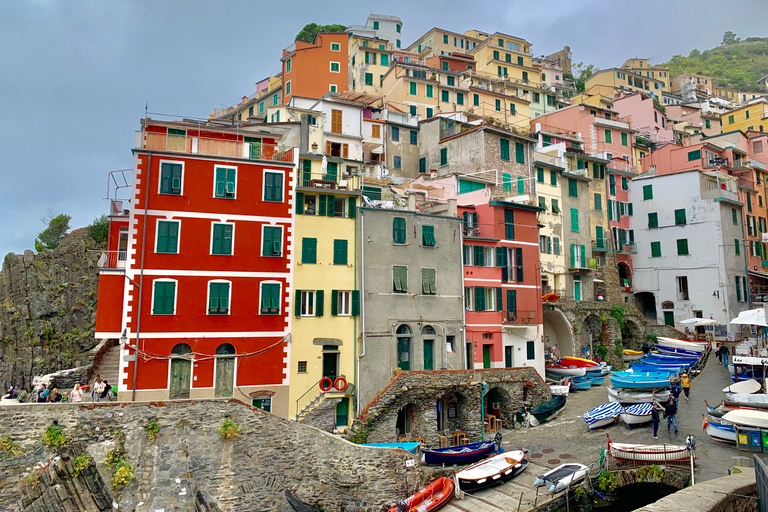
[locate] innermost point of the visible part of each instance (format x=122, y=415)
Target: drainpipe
x=141, y=276
x=463, y=299
x=354, y=319
x=362, y=304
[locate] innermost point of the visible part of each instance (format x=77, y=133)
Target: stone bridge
x=673, y=476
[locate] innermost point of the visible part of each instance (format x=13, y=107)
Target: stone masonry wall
x=189, y=464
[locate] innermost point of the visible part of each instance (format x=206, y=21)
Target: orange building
x=311, y=70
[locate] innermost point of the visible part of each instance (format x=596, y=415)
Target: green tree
x=57, y=227
x=581, y=73
x=99, y=230
x=730, y=38
x=310, y=30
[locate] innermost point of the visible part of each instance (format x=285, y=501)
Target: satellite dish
x=384, y=171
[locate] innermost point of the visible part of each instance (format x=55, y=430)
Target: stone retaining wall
x=188, y=463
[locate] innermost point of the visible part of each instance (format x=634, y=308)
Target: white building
x=689, y=260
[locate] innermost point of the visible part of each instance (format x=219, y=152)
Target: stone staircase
x=108, y=366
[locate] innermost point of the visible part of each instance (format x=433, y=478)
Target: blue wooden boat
x=582, y=384
x=639, y=381
x=597, y=380
x=666, y=355
x=602, y=415
x=464, y=454
x=409, y=447
x=681, y=351
x=655, y=375
x=645, y=368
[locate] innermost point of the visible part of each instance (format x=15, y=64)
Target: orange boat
x=432, y=497
x=550, y=297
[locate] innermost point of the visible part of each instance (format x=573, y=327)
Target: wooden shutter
x=512, y=301
x=296, y=302
x=334, y=302
x=336, y=121
x=321, y=205
x=479, y=298
x=519, y=261
x=574, y=219
x=498, y=299
x=352, y=208
x=479, y=256
x=221, y=180
x=355, y=302
x=583, y=256
x=299, y=203
x=345, y=150
x=226, y=239
x=328, y=148
x=331, y=206
x=319, y=299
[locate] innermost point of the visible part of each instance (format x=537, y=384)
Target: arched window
x=428, y=330
x=404, y=347
x=181, y=349
x=225, y=349
x=668, y=305
x=403, y=329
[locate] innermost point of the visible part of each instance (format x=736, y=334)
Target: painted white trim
x=261, y=291
x=210, y=273
x=282, y=241
x=284, y=185
x=330, y=67
x=192, y=335
x=175, y=295
x=338, y=302
x=486, y=325
x=157, y=235
x=208, y=296
x=160, y=175
x=333, y=88
x=219, y=166
x=337, y=44
x=210, y=247
x=513, y=242
x=513, y=285
x=303, y=302
x=222, y=217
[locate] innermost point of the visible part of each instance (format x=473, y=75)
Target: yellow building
x=508, y=57
x=548, y=170
x=255, y=107
x=412, y=88
x=642, y=67
x=626, y=80
x=752, y=116
x=369, y=60
x=442, y=42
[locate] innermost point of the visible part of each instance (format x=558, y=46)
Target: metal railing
x=212, y=146
x=333, y=180
x=519, y=317
x=602, y=244
x=113, y=260
x=309, y=398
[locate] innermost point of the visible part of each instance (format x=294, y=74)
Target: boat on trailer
x=562, y=477
x=492, y=471
x=433, y=497
x=648, y=452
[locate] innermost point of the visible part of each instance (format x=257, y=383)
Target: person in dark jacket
x=105, y=394
x=725, y=354
x=655, y=419
x=670, y=411
x=719, y=353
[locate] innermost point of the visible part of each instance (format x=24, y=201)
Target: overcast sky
x=75, y=75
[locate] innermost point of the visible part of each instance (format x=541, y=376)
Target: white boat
x=559, y=390
x=747, y=418
x=632, y=355
x=719, y=430
x=743, y=387
x=636, y=397
x=600, y=369
x=648, y=452
x=686, y=345
x=747, y=400
x=603, y=415
x=562, y=476
x=566, y=370
x=636, y=414
x=493, y=470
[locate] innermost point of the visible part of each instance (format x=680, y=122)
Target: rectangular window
x=520, y=185
x=307, y=302
x=428, y=236
x=543, y=203
x=553, y=178
x=397, y=162
x=655, y=249
x=430, y=111
x=680, y=216
x=624, y=183
x=398, y=230
x=335, y=67
x=509, y=224
x=443, y=156
x=519, y=152
x=624, y=139
x=445, y=39
x=682, y=247
x=736, y=244
x=459, y=98
x=384, y=59
x=730, y=119
x=612, y=184
x=451, y=81
x=369, y=79
x=512, y=109
x=555, y=206
x=476, y=100
x=735, y=215
x=422, y=165
x=170, y=178
x=653, y=220
x=336, y=121
x=504, y=149
x=647, y=192
x=270, y=299
x=222, y=239
x=272, y=242
x=738, y=288
x=573, y=188
x=598, y=202
x=694, y=155
x=496, y=54
x=412, y=88
x=167, y=237
x=288, y=66
x=428, y=284
x=414, y=137
x=164, y=298
x=608, y=137
x=395, y=134
x=430, y=90
x=498, y=105
x=309, y=250
x=540, y=175
x=400, y=279
x=335, y=47
x=302, y=367
x=273, y=186
x=445, y=96
x=218, y=298
x=288, y=88
x=574, y=219
x=531, y=350
x=340, y=252
x=225, y=182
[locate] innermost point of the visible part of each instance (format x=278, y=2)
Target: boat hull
x=636, y=397
x=629, y=383
x=647, y=453
x=562, y=476
x=602, y=416
x=597, y=381
x=455, y=455
x=747, y=418
x=720, y=431
x=548, y=410
x=566, y=371
x=492, y=471
x=433, y=497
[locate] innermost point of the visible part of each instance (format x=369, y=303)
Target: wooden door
x=404, y=353
x=181, y=370
x=429, y=355
x=330, y=365
x=486, y=356
x=225, y=377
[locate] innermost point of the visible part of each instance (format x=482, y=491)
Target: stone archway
x=407, y=422
x=647, y=302
x=593, y=328
x=456, y=412
x=558, y=333
x=497, y=401
x=625, y=273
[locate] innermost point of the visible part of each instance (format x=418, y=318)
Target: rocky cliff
x=47, y=309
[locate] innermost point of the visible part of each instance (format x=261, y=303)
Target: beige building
x=369, y=60
x=641, y=66
x=438, y=41
x=626, y=80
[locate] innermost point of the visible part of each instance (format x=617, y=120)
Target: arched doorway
x=406, y=421
x=625, y=274
x=225, y=370
x=631, y=335
x=593, y=328
x=668, y=310
x=428, y=338
x=498, y=402
x=454, y=413
x=557, y=334
x=647, y=303
x=404, y=347
x=181, y=372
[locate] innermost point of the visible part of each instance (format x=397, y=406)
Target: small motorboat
x=463, y=454
x=636, y=397
x=491, y=471
x=636, y=415
x=747, y=418
x=647, y=452
x=749, y=387
x=409, y=447
x=562, y=477
x=565, y=369
x=547, y=410
x=602, y=415
x=432, y=497
x=719, y=431
x=632, y=355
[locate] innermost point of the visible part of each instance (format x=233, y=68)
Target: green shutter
x=553, y=178
x=479, y=298
x=322, y=204
x=339, y=252
x=330, y=206
x=540, y=174
x=355, y=302
x=557, y=245
x=299, y=203
x=352, y=207
x=599, y=237
x=573, y=255
x=334, y=302
x=520, y=185
x=598, y=202
x=655, y=249
x=682, y=247
x=629, y=209
x=519, y=152
x=512, y=301
x=694, y=155
x=647, y=192
x=167, y=237
x=504, y=149
x=296, y=302
x=498, y=299
x=738, y=289
x=573, y=188
x=519, y=264
x=680, y=216
x=583, y=250
x=309, y=250
x=500, y=257
x=273, y=190
x=653, y=220
x=428, y=236
x=398, y=230
x=272, y=242
x=319, y=299
x=608, y=137
x=509, y=224
x=574, y=219
x=624, y=139
x=443, y=156
x=165, y=293
x=736, y=243
x=479, y=256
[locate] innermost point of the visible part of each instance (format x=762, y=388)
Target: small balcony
x=611, y=123
x=601, y=244
x=720, y=194
x=331, y=181
x=626, y=247
x=217, y=147
x=519, y=317
x=112, y=260
x=578, y=263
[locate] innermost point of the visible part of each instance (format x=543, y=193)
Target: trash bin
x=764, y=433
x=742, y=439
x=755, y=441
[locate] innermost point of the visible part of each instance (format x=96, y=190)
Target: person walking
x=655, y=419
x=725, y=354
x=674, y=391
x=97, y=389
x=105, y=395
x=77, y=393
x=670, y=411
x=719, y=353
x=685, y=383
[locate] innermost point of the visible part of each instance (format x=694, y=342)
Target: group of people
x=100, y=390
x=723, y=354
x=669, y=409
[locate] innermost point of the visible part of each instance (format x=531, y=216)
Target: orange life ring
x=326, y=383
x=340, y=384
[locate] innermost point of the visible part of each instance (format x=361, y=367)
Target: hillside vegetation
x=736, y=63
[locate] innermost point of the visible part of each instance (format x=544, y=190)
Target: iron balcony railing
x=113, y=260
x=519, y=317
x=221, y=147
x=330, y=180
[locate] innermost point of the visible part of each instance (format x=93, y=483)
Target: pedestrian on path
x=719, y=353
x=655, y=419
x=674, y=391
x=670, y=411
x=685, y=383
x=76, y=395
x=97, y=389
x=725, y=354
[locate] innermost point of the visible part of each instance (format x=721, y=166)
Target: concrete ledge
x=719, y=495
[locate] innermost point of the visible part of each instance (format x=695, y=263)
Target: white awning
x=751, y=317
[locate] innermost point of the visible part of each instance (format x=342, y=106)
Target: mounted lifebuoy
x=326, y=383
x=340, y=384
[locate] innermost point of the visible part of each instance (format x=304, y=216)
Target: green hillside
x=735, y=63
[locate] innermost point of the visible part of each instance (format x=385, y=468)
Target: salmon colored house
x=311, y=70
x=197, y=274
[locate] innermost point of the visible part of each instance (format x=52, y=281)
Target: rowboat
x=747, y=418
x=582, y=384
x=547, y=410
x=698, y=346
x=743, y=387
x=639, y=382
x=667, y=356
x=651, y=375
x=647, y=452
x=602, y=415
x=562, y=477
x=645, y=368
x=747, y=401
x=719, y=431
x=597, y=380
x=432, y=497
x=578, y=361
x=636, y=397
x=671, y=350
x=409, y=447
x=632, y=355
x=454, y=455
x=637, y=414
x=563, y=369
x=491, y=471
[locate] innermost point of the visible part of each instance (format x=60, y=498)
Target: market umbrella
x=751, y=317
x=706, y=321
x=690, y=320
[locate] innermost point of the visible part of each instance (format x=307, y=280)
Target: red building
x=502, y=295
x=197, y=270
x=619, y=210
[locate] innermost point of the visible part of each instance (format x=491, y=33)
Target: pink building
x=707, y=122
x=639, y=110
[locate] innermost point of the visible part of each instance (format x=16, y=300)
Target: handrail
x=305, y=401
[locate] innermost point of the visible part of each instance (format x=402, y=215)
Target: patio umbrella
x=706, y=321
x=751, y=317
x=690, y=321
